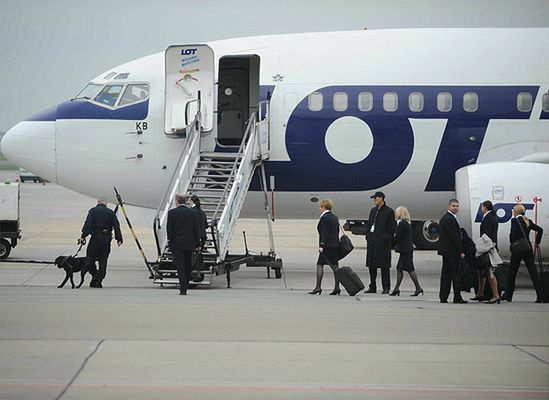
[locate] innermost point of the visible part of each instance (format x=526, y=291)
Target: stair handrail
x=249, y=142
x=193, y=136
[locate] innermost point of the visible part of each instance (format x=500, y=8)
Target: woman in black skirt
x=404, y=246
x=328, y=232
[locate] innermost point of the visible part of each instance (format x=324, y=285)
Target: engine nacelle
x=504, y=184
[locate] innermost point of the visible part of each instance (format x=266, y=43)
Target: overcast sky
x=51, y=48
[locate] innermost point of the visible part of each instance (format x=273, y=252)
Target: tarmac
x=261, y=339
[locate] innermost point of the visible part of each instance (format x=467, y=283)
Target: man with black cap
x=381, y=228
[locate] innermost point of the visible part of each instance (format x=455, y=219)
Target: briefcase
x=350, y=280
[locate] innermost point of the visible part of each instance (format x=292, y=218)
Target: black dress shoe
x=385, y=291
x=417, y=293
x=395, y=293
x=444, y=301
x=335, y=292
x=371, y=290
x=507, y=297
x=182, y=293
x=459, y=301
x=316, y=291
x=539, y=300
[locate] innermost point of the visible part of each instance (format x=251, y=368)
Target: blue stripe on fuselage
x=311, y=168
x=83, y=109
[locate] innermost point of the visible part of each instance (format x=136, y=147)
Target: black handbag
x=345, y=245
x=522, y=245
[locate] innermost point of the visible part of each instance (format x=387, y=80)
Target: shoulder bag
x=522, y=245
x=345, y=245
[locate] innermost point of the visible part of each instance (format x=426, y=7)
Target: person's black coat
x=378, y=253
x=328, y=231
x=516, y=233
x=489, y=226
x=182, y=228
x=100, y=223
x=449, y=240
x=403, y=238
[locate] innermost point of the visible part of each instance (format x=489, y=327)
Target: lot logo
x=507, y=211
x=188, y=57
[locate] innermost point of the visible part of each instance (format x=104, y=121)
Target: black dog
x=75, y=264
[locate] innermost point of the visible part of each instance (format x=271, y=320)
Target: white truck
x=9, y=218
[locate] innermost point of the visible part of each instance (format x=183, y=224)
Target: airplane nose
x=31, y=145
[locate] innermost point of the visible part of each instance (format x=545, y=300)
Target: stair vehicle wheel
x=5, y=249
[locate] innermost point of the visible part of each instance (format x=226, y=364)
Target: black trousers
x=530, y=265
x=385, y=278
x=98, y=250
x=183, y=263
x=448, y=275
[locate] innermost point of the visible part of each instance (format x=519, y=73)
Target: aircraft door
x=238, y=96
x=189, y=69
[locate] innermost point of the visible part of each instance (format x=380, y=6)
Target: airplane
x=423, y=115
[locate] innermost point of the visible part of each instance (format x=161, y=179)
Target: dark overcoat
x=489, y=226
x=182, y=228
x=403, y=238
x=378, y=253
x=100, y=223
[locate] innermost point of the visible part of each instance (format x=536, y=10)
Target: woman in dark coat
x=521, y=227
x=404, y=246
x=328, y=233
x=202, y=219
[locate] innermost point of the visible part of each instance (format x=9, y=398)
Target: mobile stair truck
x=9, y=218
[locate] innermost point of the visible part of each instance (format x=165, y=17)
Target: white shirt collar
x=325, y=211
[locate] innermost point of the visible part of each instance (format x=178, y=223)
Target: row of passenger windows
x=340, y=101
x=109, y=94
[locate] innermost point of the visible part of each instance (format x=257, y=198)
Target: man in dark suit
x=100, y=223
x=450, y=247
x=381, y=228
x=183, y=239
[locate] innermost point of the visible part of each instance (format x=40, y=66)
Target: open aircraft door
x=504, y=184
x=189, y=70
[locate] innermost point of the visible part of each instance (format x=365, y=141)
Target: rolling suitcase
x=350, y=280
x=543, y=275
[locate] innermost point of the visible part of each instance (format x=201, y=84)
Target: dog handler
x=100, y=223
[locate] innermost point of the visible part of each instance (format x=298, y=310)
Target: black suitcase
x=350, y=280
x=543, y=275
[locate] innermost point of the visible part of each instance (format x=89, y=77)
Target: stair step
x=219, y=155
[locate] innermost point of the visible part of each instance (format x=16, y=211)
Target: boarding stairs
x=221, y=181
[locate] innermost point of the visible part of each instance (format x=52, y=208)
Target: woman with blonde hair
x=404, y=246
x=328, y=238
x=521, y=249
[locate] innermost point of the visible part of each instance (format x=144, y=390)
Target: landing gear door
x=189, y=69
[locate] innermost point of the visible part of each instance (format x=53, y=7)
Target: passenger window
x=315, y=101
x=524, y=102
x=545, y=102
x=134, y=93
x=444, y=102
x=341, y=101
x=470, y=102
x=109, y=95
x=390, y=101
x=415, y=101
x=365, y=101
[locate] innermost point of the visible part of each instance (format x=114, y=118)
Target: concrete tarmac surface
x=259, y=339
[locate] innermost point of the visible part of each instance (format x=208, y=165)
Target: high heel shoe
x=492, y=301
x=316, y=291
x=417, y=293
x=335, y=292
x=478, y=297
x=395, y=293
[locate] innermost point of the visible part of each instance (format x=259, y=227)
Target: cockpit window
x=109, y=95
x=134, y=94
x=88, y=92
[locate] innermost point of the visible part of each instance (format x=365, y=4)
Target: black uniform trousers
x=385, y=278
x=448, y=276
x=183, y=263
x=530, y=265
x=98, y=250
